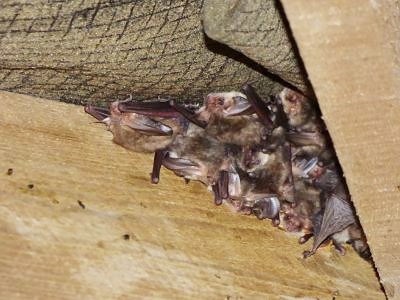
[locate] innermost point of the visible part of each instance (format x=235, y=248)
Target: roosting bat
x=179, y=145
x=336, y=216
x=268, y=158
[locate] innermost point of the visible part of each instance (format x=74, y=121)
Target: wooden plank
x=180, y=245
x=351, y=50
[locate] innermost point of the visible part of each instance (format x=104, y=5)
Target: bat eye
x=220, y=101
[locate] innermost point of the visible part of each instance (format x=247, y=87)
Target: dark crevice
x=222, y=49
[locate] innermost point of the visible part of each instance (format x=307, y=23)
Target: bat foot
x=218, y=201
x=217, y=194
x=159, y=156
x=339, y=248
x=304, y=239
x=341, y=251
x=276, y=221
x=308, y=253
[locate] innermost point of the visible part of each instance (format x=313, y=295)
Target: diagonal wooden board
x=351, y=51
x=180, y=245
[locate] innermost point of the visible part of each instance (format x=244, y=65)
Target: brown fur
x=239, y=130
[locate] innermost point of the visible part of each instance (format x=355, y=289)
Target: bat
x=201, y=157
x=138, y=132
x=230, y=118
x=353, y=235
x=337, y=215
x=271, y=159
x=299, y=110
x=305, y=130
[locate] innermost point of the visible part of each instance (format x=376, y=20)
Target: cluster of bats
x=271, y=159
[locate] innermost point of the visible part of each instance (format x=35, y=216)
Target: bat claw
x=303, y=239
x=276, y=221
x=187, y=114
x=308, y=253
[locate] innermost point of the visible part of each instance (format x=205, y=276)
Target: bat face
x=297, y=107
x=227, y=104
x=297, y=218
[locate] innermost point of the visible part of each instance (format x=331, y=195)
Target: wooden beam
x=351, y=51
x=129, y=238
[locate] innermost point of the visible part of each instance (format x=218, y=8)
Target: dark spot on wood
x=55, y=201
x=101, y=244
x=142, y=205
x=126, y=237
x=209, y=214
x=10, y=171
x=81, y=204
x=398, y=187
x=238, y=237
x=217, y=276
x=30, y=186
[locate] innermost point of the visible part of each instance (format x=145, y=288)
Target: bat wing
x=182, y=167
x=304, y=138
x=338, y=215
x=150, y=108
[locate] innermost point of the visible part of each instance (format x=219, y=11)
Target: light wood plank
x=181, y=246
x=351, y=51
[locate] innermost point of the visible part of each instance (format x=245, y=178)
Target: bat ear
x=267, y=207
x=309, y=166
x=148, y=126
x=241, y=107
x=97, y=112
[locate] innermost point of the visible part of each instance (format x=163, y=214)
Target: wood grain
x=180, y=245
x=97, y=50
x=351, y=51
